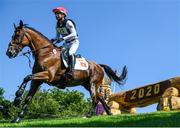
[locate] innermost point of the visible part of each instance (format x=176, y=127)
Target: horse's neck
x=39, y=44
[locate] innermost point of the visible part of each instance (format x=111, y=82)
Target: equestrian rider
x=66, y=31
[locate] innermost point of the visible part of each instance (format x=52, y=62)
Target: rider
x=66, y=31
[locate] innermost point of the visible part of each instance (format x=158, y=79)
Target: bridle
x=27, y=54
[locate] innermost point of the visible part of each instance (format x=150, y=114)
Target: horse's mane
x=37, y=32
x=40, y=34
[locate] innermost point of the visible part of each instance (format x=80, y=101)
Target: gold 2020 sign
x=146, y=92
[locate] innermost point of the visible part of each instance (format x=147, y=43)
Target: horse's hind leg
x=106, y=107
x=92, y=91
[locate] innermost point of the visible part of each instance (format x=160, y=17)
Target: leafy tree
x=48, y=104
x=43, y=105
x=71, y=103
x=1, y=94
x=57, y=103
x=7, y=110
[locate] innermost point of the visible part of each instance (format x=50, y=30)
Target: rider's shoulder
x=69, y=21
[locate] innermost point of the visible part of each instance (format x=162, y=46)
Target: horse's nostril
x=7, y=53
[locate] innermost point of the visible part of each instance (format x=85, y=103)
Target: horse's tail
x=113, y=76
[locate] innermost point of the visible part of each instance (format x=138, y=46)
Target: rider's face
x=59, y=15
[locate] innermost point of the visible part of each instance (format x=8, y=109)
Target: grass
x=160, y=119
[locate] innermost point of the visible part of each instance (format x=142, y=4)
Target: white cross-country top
x=66, y=30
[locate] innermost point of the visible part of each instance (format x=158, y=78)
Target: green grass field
x=147, y=119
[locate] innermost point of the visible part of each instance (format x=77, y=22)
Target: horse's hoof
x=84, y=117
x=16, y=120
x=88, y=115
x=109, y=113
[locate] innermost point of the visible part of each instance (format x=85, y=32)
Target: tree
x=42, y=106
x=48, y=104
x=71, y=103
x=7, y=110
x=1, y=94
x=57, y=103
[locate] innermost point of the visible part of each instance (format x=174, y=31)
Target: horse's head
x=18, y=42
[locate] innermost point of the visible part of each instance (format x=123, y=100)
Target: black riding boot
x=72, y=64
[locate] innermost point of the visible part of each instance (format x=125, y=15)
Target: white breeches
x=72, y=47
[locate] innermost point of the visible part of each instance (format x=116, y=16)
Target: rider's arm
x=73, y=33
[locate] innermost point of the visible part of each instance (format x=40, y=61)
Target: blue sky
x=142, y=34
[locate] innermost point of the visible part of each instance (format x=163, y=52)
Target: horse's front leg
x=46, y=76
x=33, y=89
x=37, y=80
x=21, y=89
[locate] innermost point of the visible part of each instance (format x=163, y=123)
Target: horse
x=49, y=68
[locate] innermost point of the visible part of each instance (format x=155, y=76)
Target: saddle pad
x=81, y=64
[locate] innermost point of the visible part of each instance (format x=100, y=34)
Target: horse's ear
x=21, y=24
x=15, y=26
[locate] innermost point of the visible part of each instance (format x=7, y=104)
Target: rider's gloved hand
x=57, y=41
x=60, y=40
x=52, y=40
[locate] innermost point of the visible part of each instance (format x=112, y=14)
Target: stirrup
x=70, y=73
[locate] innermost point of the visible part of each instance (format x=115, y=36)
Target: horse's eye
x=16, y=40
x=17, y=36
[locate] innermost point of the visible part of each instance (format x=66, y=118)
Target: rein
x=31, y=51
x=27, y=54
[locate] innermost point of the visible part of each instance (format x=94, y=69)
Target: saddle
x=80, y=62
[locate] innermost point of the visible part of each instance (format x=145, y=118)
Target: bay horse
x=49, y=68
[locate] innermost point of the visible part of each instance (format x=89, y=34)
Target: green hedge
x=49, y=104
